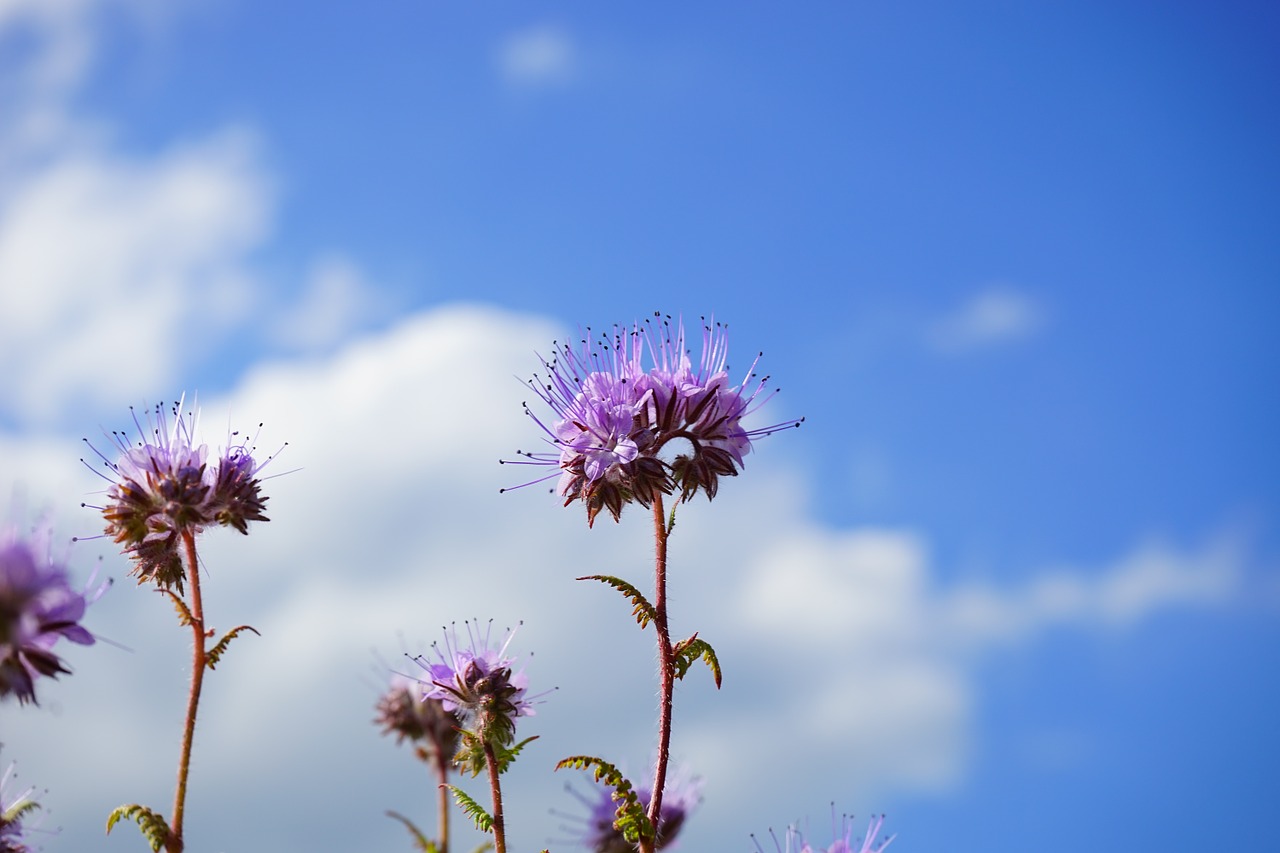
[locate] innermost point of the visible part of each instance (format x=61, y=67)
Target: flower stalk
x=199, y=660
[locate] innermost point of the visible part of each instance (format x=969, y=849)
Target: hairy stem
x=198, y=661
x=499, y=830
x=442, y=797
x=666, y=666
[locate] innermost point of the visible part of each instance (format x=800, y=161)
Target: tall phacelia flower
x=598, y=833
x=37, y=608
x=163, y=486
x=619, y=400
x=479, y=683
x=15, y=806
x=794, y=841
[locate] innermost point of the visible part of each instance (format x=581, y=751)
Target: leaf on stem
x=687, y=651
x=150, y=824
x=420, y=841
x=184, y=613
x=630, y=818
x=473, y=810
x=215, y=654
x=643, y=610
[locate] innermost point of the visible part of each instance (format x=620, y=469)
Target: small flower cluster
x=404, y=711
x=843, y=842
x=680, y=798
x=14, y=807
x=615, y=416
x=478, y=683
x=163, y=488
x=37, y=607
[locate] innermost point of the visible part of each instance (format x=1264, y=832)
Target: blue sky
x=1015, y=580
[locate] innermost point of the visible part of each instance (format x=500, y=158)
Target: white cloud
x=993, y=316
x=538, y=56
x=840, y=646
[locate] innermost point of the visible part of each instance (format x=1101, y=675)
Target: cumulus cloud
x=837, y=645
x=539, y=56
x=993, y=316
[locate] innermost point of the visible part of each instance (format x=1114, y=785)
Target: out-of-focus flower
x=163, y=487
x=14, y=807
x=478, y=683
x=37, y=607
x=404, y=711
x=680, y=798
x=794, y=840
x=615, y=416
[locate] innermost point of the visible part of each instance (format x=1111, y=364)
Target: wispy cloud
x=540, y=56
x=993, y=316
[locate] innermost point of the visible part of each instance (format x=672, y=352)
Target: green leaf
x=17, y=813
x=643, y=610
x=473, y=810
x=420, y=841
x=630, y=818
x=215, y=654
x=150, y=824
x=488, y=845
x=687, y=651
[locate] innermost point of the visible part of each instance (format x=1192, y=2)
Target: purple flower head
x=619, y=401
x=478, y=682
x=37, y=607
x=423, y=722
x=14, y=807
x=681, y=796
x=164, y=488
x=794, y=841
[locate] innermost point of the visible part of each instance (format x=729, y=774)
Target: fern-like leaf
x=214, y=654
x=488, y=845
x=643, y=610
x=184, y=613
x=507, y=754
x=630, y=818
x=472, y=809
x=16, y=814
x=420, y=841
x=688, y=651
x=150, y=824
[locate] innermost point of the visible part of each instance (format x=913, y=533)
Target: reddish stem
x=666, y=667
x=499, y=829
x=198, y=662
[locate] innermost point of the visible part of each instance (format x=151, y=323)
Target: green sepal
x=420, y=841
x=150, y=824
x=473, y=810
x=687, y=651
x=643, y=610
x=214, y=654
x=630, y=818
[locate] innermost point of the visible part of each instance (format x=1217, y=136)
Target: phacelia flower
x=164, y=487
x=616, y=411
x=680, y=797
x=794, y=840
x=37, y=607
x=478, y=683
x=14, y=807
x=404, y=711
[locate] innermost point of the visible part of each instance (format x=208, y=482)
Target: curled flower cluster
x=37, y=607
x=404, y=711
x=680, y=798
x=478, y=683
x=14, y=807
x=615, y=416
x=843, y=842
x=163, y=488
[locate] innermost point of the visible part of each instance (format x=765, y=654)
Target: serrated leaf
x=184, y=613
x=643, y=610
x=630, y=818
x=17, y=813
x=215, y=654
x=420, y=841
x=687, y=651
x=150, y=824
x=483, y=820
x=488, y=845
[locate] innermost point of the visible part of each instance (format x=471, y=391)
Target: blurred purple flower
x=404, y=711
x=680, y=798
x=843, y=843
x=37, y=607
x=614, y=416
x=163, y=487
